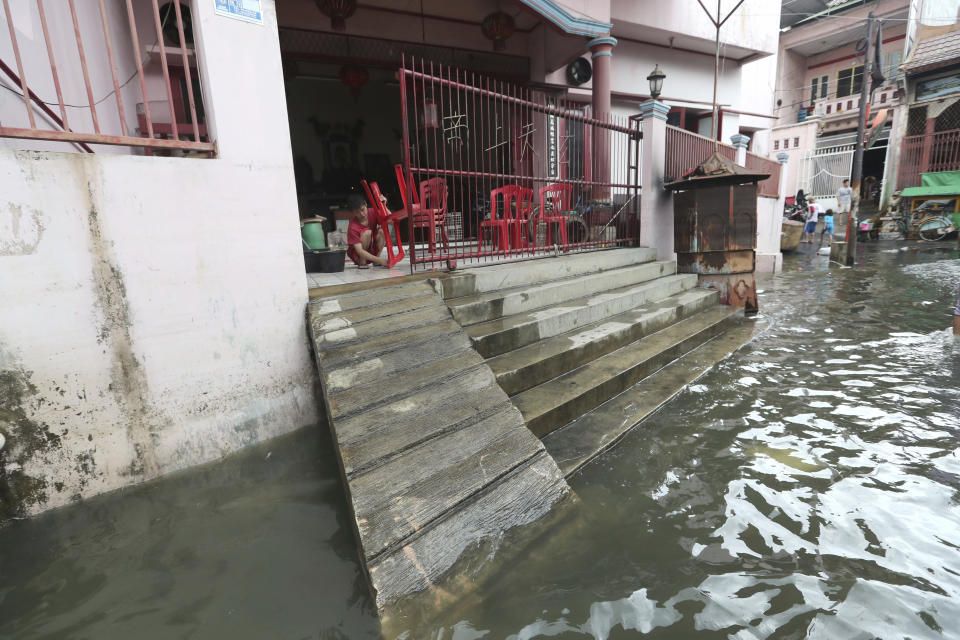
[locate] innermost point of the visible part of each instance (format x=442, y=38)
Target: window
x=824, y=83
x=883, y=97
x=786, y=143
x=891, y=63
x=828, y=108
x=796, y=142
x=849, y=81
x=839, y=107
x=813, y=91
x=849, y=104
x=776, y=145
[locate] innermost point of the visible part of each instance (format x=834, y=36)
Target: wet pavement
x=807, y=486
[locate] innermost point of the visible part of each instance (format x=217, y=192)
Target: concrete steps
x=553, y=404
x=435, y=458
x=506, y=302
x=569, y=346
x=584, y=439
x=501, y=335
x=537, y=363
x=516, y=274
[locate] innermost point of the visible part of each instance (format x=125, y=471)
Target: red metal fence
x=928, y=153
x=771, y=186
x=185, y=135
x=685, y=150
x=493, y=170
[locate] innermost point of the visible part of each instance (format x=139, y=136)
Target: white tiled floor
x=352, y=274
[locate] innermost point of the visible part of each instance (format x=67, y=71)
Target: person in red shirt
x=365, y=239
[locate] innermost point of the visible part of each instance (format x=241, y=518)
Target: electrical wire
x=19, y=94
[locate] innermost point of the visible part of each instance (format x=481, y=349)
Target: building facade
x=912, y=114
x=157, y=157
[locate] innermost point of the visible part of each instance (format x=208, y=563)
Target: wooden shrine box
x=715, y=228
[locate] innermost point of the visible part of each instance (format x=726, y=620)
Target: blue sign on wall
x=249, y=10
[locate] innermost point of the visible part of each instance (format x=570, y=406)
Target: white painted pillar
x=770, y=224
x=741, y=142
x=782, y=158
x=656, y=204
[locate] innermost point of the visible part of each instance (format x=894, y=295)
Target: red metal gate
x=493, y=171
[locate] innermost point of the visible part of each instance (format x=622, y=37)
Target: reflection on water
x=807, y=486
x=253, y=547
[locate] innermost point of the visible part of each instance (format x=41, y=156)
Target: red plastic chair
x=432, y=212
x=386, y=219
x=503, y=200
x=554, y=200
x=518, y=223
x=411, y=205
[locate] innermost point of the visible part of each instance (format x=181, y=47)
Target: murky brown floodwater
x=808, y=486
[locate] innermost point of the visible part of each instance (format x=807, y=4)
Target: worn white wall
x=769, y=222
x=754, y=26
x=153, y=312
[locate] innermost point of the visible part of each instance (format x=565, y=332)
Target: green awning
x=941, y=183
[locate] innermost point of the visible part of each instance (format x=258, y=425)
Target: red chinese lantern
x=498, y=26
x=338, y=11
x=354, y=76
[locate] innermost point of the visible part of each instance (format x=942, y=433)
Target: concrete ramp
x=434, y=455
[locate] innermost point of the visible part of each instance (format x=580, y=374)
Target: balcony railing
x=928, y=153
x=847, y=106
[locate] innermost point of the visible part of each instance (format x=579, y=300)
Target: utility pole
x=850, y=244
x=717, y=23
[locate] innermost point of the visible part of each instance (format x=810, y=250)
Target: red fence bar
x=16, y=55
x=143, y=83
x=113, y=67
x=83, y=67
x=53, y=65
x=165, y=68
x=186, y=71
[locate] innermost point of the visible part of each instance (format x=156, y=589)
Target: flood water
x=806, y=487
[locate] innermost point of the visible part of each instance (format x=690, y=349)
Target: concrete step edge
x=504, y=408
x=428, y=526
x=665, y=312
x=332, y=359
x=508, y=275
x=419, y=385
x=688, y=337
x=530, y=328
x=472, y=310
x=610, y=422
x=333, y=332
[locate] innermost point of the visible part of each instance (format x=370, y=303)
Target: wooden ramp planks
x=434, y=456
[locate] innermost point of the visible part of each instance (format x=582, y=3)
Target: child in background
x=827, y=228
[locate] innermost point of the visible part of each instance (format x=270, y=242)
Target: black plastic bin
x=324, y=260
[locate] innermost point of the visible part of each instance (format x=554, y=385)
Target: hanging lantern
x=498, y=26
x=354, y=76
x=338, y=12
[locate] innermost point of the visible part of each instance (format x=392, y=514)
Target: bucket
x=312, y=234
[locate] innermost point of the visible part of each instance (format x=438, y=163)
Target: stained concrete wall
x=153, y=308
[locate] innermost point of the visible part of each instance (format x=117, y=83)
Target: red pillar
x=927, y=147
x=602, y=52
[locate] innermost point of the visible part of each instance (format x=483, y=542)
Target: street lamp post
x=656, y=81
